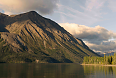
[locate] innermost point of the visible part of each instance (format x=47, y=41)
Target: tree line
x=100, y=60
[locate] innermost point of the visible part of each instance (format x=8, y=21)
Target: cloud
x=18, y=6
x=97, y=38
x=105, y=46
x=88, y=33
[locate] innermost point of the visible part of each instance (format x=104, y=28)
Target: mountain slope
x=29, y=37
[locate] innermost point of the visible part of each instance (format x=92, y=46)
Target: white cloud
x=105, y=46
x=97, y=38
x=18, y=6
x=85, y=32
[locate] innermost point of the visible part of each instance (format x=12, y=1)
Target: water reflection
x=100, y=71
x=41, y=71
x=55, y=71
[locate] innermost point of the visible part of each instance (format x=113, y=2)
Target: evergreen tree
x=110, y=59
x=104, y=58
x=100, y=60
x=86, y=60
x=107, y=57
x=114, y=59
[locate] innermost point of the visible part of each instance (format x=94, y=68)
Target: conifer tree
x=104, y=58
x=114, y=59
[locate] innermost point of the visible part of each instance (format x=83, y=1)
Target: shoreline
x=96, y=65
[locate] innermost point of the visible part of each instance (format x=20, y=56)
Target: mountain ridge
x=41, y=38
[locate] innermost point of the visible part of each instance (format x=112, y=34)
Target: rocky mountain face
x=29, y=37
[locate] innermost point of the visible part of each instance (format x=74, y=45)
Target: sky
x=93, y=21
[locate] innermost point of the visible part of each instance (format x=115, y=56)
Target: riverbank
x=97, y=65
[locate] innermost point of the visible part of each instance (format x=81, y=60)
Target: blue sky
x=86, y=12
x=93, y=21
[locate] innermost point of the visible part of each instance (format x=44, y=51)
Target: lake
x=58, y=70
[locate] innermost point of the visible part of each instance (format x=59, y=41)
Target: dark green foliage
x=93, y=60
x=114, y=59
x=28, y=60
x=100, y=60
x=110, y=59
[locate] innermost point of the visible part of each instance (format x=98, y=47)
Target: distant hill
x=29, y=37
x=106, y=53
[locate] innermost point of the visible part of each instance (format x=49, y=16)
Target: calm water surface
x=55, y=71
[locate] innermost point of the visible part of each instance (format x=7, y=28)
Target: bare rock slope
x=29, y=37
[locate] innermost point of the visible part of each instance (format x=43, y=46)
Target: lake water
x=55, y=71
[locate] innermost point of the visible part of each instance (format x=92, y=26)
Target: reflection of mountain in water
x=56, y=71
x=41, y=71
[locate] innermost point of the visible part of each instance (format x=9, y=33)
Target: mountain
x=106, y=53
x=29, y=37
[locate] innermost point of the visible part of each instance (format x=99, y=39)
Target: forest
x=106, y=60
